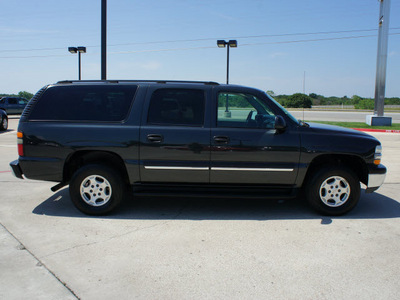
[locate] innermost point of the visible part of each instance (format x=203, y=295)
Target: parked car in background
x=13, y=105
x=4, y=120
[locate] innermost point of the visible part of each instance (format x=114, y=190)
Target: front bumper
x=16, y=169
x=376, y=177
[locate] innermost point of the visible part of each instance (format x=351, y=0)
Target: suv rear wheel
x=97, y=189
x=333, y=190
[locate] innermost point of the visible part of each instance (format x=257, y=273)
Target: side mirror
x=280, y=123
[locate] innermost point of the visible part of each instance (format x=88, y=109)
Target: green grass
x=394, y=109
x=395, y=126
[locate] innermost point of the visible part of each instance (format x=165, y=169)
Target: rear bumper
x=376, y=177
x=16, y=169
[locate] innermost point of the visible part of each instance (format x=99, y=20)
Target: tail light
x=20, y=142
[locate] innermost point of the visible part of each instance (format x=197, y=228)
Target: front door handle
x=155, y=138
x=221, y=139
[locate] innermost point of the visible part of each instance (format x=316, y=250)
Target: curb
x=377, y=130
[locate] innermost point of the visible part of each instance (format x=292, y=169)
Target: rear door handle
x=221, y=139
x=155, y=138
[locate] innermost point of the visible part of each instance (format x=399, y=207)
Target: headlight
x=378, y=155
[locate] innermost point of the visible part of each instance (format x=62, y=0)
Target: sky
x=324, y=47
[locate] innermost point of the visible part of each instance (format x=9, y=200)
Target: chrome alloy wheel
x=334, y=191
x=95, y=190
x=5, y=123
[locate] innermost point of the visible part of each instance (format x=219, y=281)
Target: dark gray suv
x=105, y=138
x=13, y=105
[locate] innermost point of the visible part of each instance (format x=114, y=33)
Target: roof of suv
x=137, y=81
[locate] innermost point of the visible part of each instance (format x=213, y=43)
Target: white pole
x=381, y=63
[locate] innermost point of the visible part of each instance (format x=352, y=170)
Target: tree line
x=300, y=100
x=21, y=94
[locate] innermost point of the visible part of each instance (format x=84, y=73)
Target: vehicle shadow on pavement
x=371, y=206
x=5, y=131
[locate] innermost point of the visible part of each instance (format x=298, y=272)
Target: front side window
x=12, y=101
x=176, y=107
x=289, y=115
x=241, y=110
x=85, y=103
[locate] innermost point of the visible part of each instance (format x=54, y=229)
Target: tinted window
x=12, y=101
x=244, y=110
x=84, y=103
x=177, y=107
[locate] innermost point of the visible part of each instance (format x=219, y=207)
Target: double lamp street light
x=220, y=43
x=78, y=50
x=227, y=44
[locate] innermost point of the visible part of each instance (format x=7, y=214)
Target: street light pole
x=103, y=39
x=382, y=57
x=223, y=44
x=79, y=64
x=378, y=118
x=78, y=50
x=227, y=65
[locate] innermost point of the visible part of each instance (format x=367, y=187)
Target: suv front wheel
x=333, y=190
x=96, y=189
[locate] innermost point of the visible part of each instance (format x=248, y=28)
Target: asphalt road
x=196, y=249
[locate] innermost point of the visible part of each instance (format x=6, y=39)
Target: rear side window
x=177, y=107
x=84, y=103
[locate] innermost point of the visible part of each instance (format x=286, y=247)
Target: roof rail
x=127, y=81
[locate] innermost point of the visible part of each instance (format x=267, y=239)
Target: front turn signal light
x=378, y=155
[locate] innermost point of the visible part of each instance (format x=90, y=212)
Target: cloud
x=25, y=30
x=223, y=16
x=277, y=54
x=150, y=66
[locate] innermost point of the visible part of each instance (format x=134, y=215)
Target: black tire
x=333, y=191
x=97, y=189
x=4, y=123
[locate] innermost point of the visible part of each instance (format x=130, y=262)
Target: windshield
x=283, y=109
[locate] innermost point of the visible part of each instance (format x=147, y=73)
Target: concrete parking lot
x=196, y=249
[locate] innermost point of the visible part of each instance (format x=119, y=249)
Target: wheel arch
x=352, y=162
x=81, y=158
